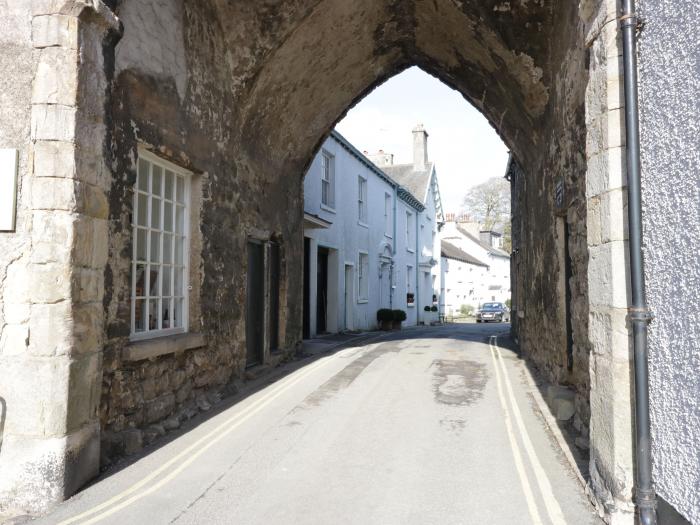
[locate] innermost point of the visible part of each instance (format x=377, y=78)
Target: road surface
x=434, y=426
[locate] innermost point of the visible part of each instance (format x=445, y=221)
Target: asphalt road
x=434, y=426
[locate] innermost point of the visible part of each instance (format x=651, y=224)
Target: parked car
x=496, y=312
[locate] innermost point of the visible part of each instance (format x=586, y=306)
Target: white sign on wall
x=8, y=188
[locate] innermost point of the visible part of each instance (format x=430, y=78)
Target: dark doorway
x=307, y=281
x=322, y=291
x=274, y=295
x=255, y=303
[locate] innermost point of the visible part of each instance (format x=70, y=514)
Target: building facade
x=368, y=244
x=464, y=281
x=486, y=247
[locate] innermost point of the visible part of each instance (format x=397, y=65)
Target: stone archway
x=242, y=94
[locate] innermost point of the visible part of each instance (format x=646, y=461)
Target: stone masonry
x=241, y=94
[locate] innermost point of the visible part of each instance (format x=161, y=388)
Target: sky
x=465, y=148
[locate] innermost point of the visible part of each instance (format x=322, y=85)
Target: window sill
x=410, y=251
x=363, y=224
x=362, y=301
x=410, y=305
x=324, y=207
x=169, y=344
x=388, y=236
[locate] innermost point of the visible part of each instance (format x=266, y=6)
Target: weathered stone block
x=54, y=159
x=84, y=391
x=50, y=29
x=91, y=241
x=93, y=201
x=56, y=79
x=87, y=327
x=38, y=471
x=89, y=285
x=54, y=194
x=51, y=328
x=133, y=440
x=49, y=283
x=53, y=122
x=593, y=229
x=149, y=389
x=52, y=233
x=159, y=408
x=16, y=313
x=607, y=267
x=613, y=214
x=183, y=393
x=16, y=284
x=14, y=339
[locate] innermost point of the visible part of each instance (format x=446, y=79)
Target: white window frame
x=148, y=333
x=410, y=245
x=388, y=219
x=362, y=277
x=327, y=180
x=362, y=208
x=409, y=275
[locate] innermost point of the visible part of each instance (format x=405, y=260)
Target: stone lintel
x=140, y=350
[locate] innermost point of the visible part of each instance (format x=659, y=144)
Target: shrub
x=433, y=308
x=466, y=309
x=399, y=315
x=385, y=315
x=426, y=308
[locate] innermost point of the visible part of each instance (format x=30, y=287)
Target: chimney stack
x=420, y=148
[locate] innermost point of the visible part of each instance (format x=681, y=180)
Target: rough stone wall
x=242, y=94
x=542, y=329
x=669, y=61
x=50, y=356
x=171, y=92
x=241, y=109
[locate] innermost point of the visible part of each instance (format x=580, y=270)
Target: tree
x=489, y=204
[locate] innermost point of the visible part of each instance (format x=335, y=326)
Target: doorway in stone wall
x=255, y=303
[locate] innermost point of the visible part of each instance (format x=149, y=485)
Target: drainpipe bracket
x=637, y=314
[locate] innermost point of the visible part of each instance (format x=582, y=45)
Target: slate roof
x=414, y=181
x=493, y=251
x=450, y=251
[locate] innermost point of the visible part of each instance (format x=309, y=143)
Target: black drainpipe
x=639, y=313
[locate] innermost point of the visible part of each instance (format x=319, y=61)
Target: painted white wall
x=464, y=284
x=347, y=237
x=496, y=283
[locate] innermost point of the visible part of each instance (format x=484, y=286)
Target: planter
x=386, y=325
x=396, y=325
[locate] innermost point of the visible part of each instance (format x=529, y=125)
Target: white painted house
x=369, y=243
x=487, y=248
x=464, y=280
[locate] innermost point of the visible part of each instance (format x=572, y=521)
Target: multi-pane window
x=160, y=237
x=327, y=180
x=388, y=226
x=363, y=277
x=362, y=199
x=410, y=296
x=409, y=231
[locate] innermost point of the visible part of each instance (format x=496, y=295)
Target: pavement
x=435, y=425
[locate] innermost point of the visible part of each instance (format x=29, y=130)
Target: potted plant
x=385, y=318
x=398, y=317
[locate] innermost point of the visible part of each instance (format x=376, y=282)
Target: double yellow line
x=552, y=507
x=175, y=465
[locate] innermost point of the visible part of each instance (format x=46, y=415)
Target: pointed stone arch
x=264, y=84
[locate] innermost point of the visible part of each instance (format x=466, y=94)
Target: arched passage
x=241, y=94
